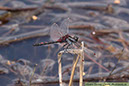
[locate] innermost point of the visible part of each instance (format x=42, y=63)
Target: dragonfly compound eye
x=76, y=38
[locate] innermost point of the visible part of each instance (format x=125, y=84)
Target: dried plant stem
x=33, y=8
x=81, y=71
x=121, y=53
x=80, y=53
x=87, y=79
x=20, y=37
x=73, y=70
x=32, y=75
x=60, y=67
x=81, y=65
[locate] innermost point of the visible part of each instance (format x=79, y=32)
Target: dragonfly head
x=76, y=38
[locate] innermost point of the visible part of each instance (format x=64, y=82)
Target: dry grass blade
x=60, y=67
x=81, y=65
x=73, y=69
x=32, y=75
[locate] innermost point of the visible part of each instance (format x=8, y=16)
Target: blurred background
x=103, y=25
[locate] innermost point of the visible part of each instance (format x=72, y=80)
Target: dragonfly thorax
x=73, y=39
x=63, y=39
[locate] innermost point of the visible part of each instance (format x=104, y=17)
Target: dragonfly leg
x=64, y=45
x=67, y=48
x=68, y=41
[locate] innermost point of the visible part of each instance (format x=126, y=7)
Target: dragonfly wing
x=65, y=26
x=88, y=51
x=55, y=32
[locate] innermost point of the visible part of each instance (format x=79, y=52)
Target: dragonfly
x=60, y=34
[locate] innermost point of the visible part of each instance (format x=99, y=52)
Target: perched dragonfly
x=60, y=35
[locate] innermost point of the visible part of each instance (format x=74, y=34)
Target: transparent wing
x=88, y=51
x=65, y=26
x=55, y=32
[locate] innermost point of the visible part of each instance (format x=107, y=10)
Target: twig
x=60, y=69
x=73, y=70
x=88, y=79
x=32, y=75
x=28, y=35
x=117, y=63
x=108, y=9
x=82, y=27
x=81, y=65
x=33, y=8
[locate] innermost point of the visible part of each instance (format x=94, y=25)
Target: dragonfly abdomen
x=45, y=43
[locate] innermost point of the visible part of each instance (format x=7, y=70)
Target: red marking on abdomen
x=41, y=43
x=59, y=40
